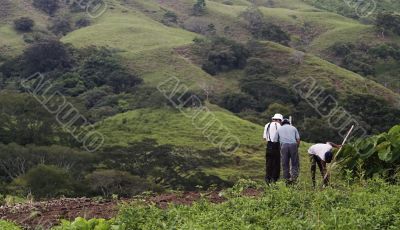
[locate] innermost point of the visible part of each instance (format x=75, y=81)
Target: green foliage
x=61, y=26
x=93, y=224
x=170, y=18
x=44, y=57
x=20, y=112
x=387, y=21
x=223, y=55
x=48, y=6
x=8, y=226
x=237, y=102
x=24, y=24
x=261, y=29
x=16, y=160
x=48, y=181
x=160, y=164
x=351, y=8
x=109, y=182
x=82, y=22
x=199, y=8
x=364, y=106
x=279, y=207
x=375, y=155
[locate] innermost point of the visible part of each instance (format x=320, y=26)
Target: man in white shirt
x=272, y=155
x=320, y=155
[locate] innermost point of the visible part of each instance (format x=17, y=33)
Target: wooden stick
x=340, y=149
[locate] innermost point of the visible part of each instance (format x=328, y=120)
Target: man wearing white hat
x=272, y=155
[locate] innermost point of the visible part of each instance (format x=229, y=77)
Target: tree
x=237, y=102
x=275, y=108
x=61, y=26
x=260, y=29
x=170, y=18
x=199, y=7
x=46, y=56
x=48, y=6
x=46, y=181
x=24, y=121
x=24, y=24
x=386, y=21
x=122, y=81
x=224, y=55
x=82, y=22
x=274, y=33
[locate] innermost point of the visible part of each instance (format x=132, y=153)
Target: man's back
x=287, y=134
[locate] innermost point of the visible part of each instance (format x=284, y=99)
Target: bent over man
x=321, y=154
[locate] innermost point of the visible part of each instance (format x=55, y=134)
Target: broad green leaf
x=385, y=154
x=395, y=130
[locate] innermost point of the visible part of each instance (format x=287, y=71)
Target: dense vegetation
x=241, y=59
x=372, y=206
x=374, y=156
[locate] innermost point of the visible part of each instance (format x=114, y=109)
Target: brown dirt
x=46, y=214
x=49, y=213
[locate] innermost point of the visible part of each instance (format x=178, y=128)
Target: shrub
x=46, y=181
x=237, y=102
x=374, y=155
x=109, y=182
x=261, y=29
x=224, y=55
x=170, y=18
x=24, y=24
x=92, y=224
x=257, y=66
x=46, y=56
x=274, y=33
x=199, y=7
x=61, y=26
x=48, y=6
x=83, y=22
x=386, y=21
x=342, y=48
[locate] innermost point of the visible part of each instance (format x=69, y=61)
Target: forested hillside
x=113, y=98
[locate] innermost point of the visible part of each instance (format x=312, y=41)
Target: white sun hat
x=278, y=116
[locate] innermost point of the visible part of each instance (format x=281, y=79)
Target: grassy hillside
x=11, y=42
x=129, y=32
x=169, y=126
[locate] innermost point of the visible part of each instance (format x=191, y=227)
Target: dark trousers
x=272, y=164
x=290, y=162
x=316, y=160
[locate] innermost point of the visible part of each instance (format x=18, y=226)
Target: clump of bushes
x=223, y=55
x=388, y=22
x=170, y=18
x=261, y=29
x=24, y=24
x=61, y=26
x=362, y=58
x=82, y=22
x=48, y=6
x=199, y=8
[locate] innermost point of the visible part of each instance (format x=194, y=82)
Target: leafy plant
x=92, y=224
x=379, y=155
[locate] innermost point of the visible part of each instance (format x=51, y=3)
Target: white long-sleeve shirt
x=273, y=128
x=320, y=150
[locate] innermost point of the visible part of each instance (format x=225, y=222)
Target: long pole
x=340, y=149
